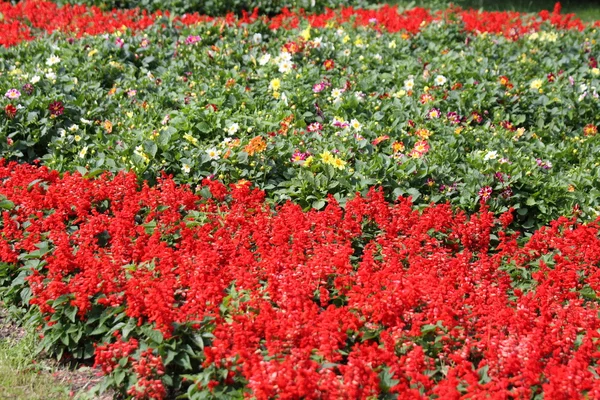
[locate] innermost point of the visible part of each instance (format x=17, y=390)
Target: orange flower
x=426, y=98
x=233, y=143
x=423, y=133
x=590, y=130
x=285, y=124
x=380, y=139
x=329, y=65
x=108, y=126
x=398, y=147
x=257, y=144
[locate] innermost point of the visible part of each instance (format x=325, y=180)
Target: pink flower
x=13, y=94
x=485, y=193
x=314, y=127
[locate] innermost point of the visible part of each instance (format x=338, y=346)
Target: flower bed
x=189, y=201
x=219, y=294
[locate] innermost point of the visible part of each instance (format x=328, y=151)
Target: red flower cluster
x=345, y=303
x=46, y=16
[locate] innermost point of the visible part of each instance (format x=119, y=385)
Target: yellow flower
x=338, y=163
x=190, y=138
x=308, y=161
x=305, y=34
x=595, y=71
x=275, y=84
x=91, y=53
x=536, y=84
x=327, y=157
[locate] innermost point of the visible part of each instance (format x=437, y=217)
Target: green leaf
x=71, y=313
x=318, y=204
x=153, y=334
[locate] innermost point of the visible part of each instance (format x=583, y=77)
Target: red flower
x=329, y=65
x=56, y=108
x=10, y=111
x=212, y=107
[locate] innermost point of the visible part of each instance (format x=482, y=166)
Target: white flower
x=83, y=152
x=53, y=60
x=264, y=59
x=85, y=121
x=73, y=128
x=491, y=155
x=257, y=38
x=51, y=75
x=213, y=153
x=233, y=128
x=284, y=98
x=440, y=80
x=186, y=168
x=317, y=41
x=284, y=56
x=285, y=66
x=35, y=79
x=62, y=132
x=347, y=52
x=409, y=84
x=356, y=125
x=337, y=93
x=377, y=57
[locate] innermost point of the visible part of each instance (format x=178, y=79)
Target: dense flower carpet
x=344, y=203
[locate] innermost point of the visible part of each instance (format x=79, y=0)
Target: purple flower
x=507, y=193
x=454, y=117
x=28, y=88
x=543, y=164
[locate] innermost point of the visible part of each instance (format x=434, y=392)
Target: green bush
x=220, y=7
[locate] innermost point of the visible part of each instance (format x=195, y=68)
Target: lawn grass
x=21, y=377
